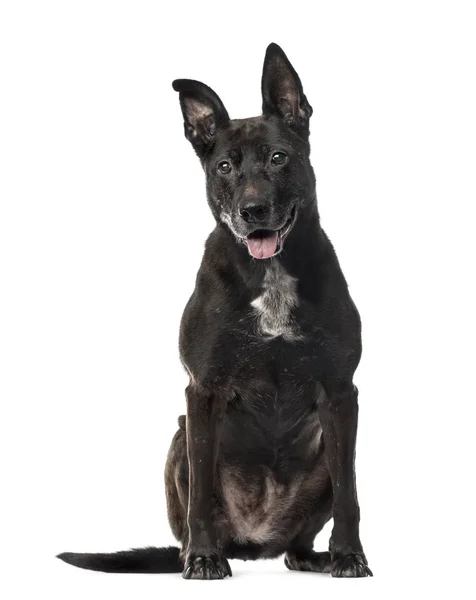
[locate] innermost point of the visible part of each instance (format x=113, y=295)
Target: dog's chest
x=274, y=306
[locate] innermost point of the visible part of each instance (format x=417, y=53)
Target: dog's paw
x=213, y=566
x=350, y=565
x=318, y=562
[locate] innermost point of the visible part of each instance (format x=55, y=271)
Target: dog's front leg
x=338, y=410
x=204, y=559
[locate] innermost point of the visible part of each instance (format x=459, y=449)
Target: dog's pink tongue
x=263, y=247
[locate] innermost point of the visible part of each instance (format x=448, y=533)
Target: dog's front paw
x=350, y=565
x=213, y=566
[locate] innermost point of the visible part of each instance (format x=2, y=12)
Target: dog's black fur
x=265, y=456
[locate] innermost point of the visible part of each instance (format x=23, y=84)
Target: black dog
x=265, y=456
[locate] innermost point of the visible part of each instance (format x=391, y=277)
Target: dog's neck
x=303, y=248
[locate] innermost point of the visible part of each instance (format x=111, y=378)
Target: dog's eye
x=224, y=167
x=279, y=158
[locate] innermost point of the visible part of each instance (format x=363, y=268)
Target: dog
x=271, y=339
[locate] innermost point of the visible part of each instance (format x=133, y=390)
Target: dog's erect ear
x=203, y=113
x=282, y=91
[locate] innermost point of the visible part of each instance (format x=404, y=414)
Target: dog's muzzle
x=262, y=242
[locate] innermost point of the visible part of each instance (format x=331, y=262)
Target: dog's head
x=258, y=170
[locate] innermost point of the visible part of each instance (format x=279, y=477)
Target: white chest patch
x=274, y=306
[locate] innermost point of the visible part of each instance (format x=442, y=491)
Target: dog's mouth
x=265, y=243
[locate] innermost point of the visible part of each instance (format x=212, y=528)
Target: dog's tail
x=138, y=560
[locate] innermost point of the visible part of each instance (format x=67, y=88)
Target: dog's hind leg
x=308, y=560
x=176, y=487
x=301, y=556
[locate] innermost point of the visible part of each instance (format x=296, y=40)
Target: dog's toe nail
x=188, y=572
x=212, y=571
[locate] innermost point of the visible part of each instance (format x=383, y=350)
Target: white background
x=102, y=225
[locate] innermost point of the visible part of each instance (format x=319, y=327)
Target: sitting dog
x=270, y=339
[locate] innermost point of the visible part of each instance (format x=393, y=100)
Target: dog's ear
x=203, y=113
x=282, y=91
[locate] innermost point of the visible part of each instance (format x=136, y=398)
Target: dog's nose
x=254, y=212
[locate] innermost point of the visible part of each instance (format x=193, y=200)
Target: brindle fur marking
x=265, y=456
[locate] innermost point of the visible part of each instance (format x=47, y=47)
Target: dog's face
x=258, y=170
